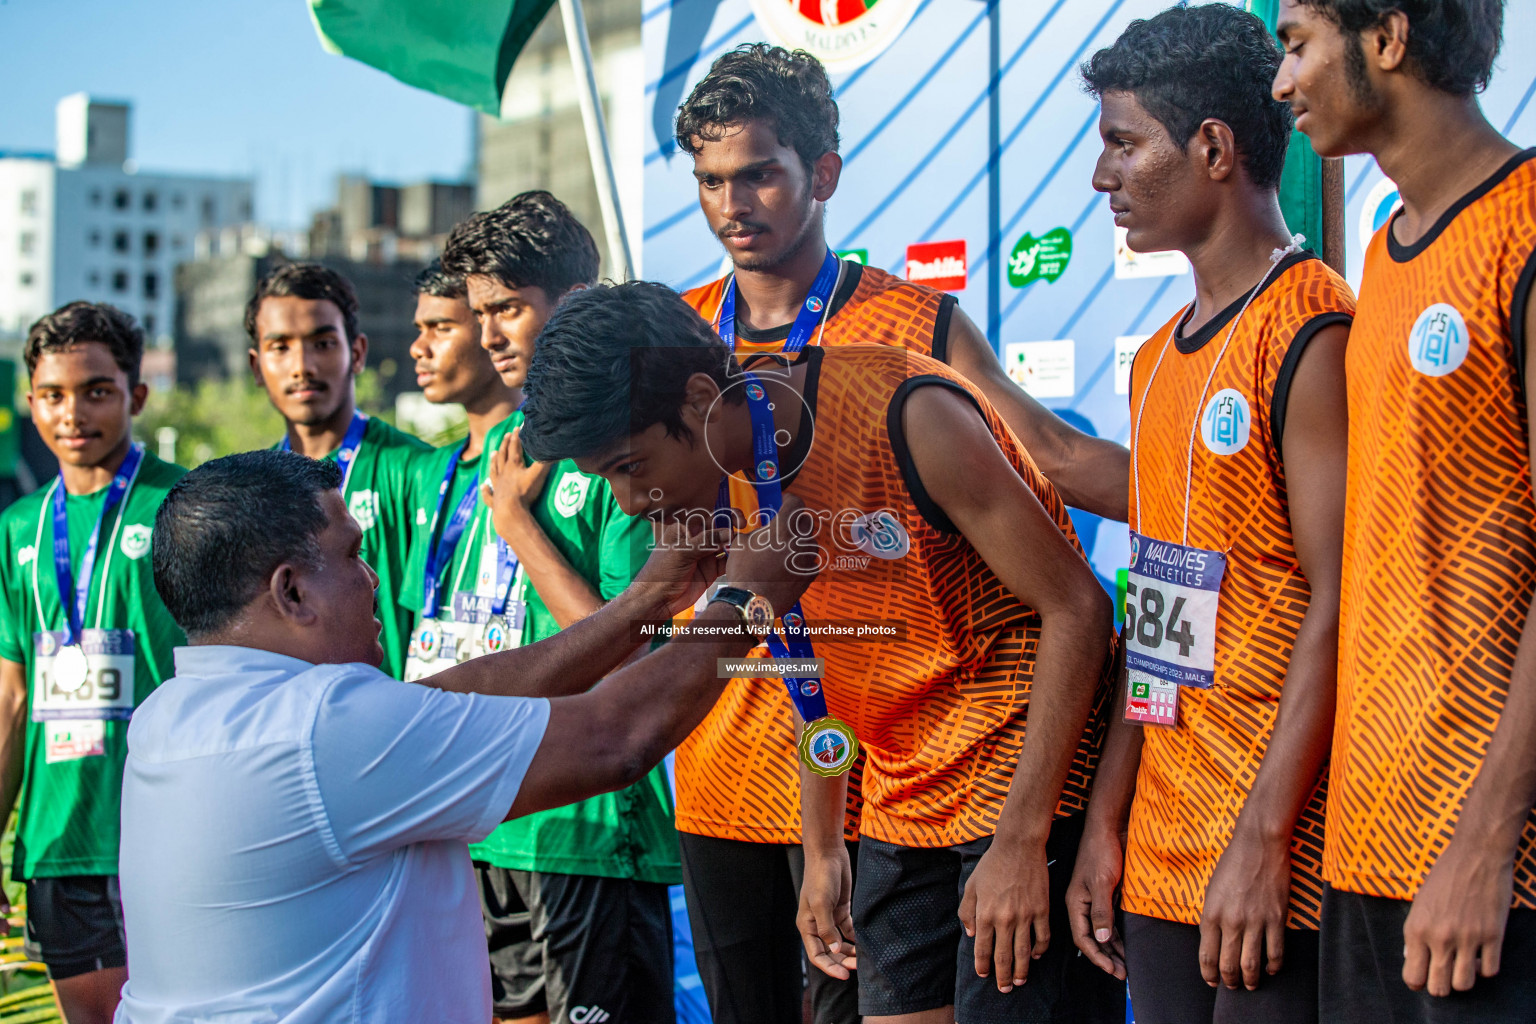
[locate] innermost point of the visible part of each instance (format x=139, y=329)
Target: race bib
x=1172, y=595
x=103, y=690
x=435, y=646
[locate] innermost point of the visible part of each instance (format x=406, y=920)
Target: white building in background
x=84, y=223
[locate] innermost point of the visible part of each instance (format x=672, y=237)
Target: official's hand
x=1246, y=903
x=511, y=486
x=777, y=560
x=681, y=567
x=1455, y=929
x=1091, y=900
x=826, y=917
x=1006, y=907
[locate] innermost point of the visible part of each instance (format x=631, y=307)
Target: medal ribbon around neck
x=1275, y=259
x=73, y=596
x=346, y=455
x=811, y=319
x=441, y=554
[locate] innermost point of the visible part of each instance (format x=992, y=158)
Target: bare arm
x=1248, y=898
x=1091, y=473
x=610, y=736
x=1455, y=931
x=515, y=487
x=825, y=918
x=13, y=734
x=967, y=476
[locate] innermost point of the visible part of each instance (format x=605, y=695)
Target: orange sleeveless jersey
x=1194, y=778
x=1439, y=535
x=737, y=774
x=941, y=712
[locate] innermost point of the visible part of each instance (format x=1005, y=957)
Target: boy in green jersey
x=575, y=898
x=307, y=351
x=83, y=639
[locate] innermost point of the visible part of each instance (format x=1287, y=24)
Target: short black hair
x=531, y=240
x=1192, y=63
x=438, y=282
x=756, y=81
x=305, y=281
x=76, y=323
x=227, y=525
x=612, y=362
x=1452, y=44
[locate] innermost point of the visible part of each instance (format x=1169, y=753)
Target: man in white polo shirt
x=295, y=822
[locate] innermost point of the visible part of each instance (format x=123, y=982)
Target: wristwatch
x=756, y=611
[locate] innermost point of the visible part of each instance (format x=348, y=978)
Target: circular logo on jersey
x=755, y=392
x=1438, y=343
x=881, y=534
x=813, y=304
x=1226, y=422
x=767, y=469
x=809, y=687
x=842, y=34
x=1380, y=202
x=827, y=747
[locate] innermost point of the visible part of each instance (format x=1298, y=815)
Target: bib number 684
x=1147, y=625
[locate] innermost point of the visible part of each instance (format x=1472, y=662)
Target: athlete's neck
x=1234, y=255
x=1436, y=150
x=317, y=440
x=485, y=413
x=90, y=479
x=770, y=298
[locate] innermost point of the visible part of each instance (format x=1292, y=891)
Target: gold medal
x=828, y=747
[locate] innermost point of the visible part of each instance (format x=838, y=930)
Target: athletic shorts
x=1362, y=969
x=914, y=955
x=742, y=902
x=75, y=925
x=584, y=948
x=1162, y=959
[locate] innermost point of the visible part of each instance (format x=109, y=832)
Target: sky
x=226, y=87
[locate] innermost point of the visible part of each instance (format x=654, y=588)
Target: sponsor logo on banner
x=859, y=256
x=842, y=34
x=938, y=265
x=1044, y=369
x=1040, y=259
x=1126, y=347
x=1131, y=264
x=1380, y=203
x=1437, y=345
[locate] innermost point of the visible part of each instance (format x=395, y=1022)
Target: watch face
x=759, y=614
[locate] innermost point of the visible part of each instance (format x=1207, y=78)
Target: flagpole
x=597, y=138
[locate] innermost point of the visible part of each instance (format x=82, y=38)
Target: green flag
x=1301, y=186
x=461, y=49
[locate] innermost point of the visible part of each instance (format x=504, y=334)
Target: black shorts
x=1362, y=969
x=914, y=955
x=75, y=925
x=584, y=948
x=1162, y=959
x=742, y=902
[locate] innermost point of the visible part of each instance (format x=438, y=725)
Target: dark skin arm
x=13, y=733
x=1090, y=473
x=825, y=918
x=1455, y=931
x=960, y=465
x=512, y=490
x=1242, y=926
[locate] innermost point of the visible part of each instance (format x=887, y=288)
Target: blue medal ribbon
x=441, y=554
x=74, y=596
x=347, y=453
x=506, y=572
x=805, y=693
x=813, y=311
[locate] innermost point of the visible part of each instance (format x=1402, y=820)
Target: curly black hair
x=438, y=282
x=612, y=362
x=1452, y=44
x=757, y=81
x=78, y=322
x=305, y=281
x=531, y=239
x=1192, y=63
